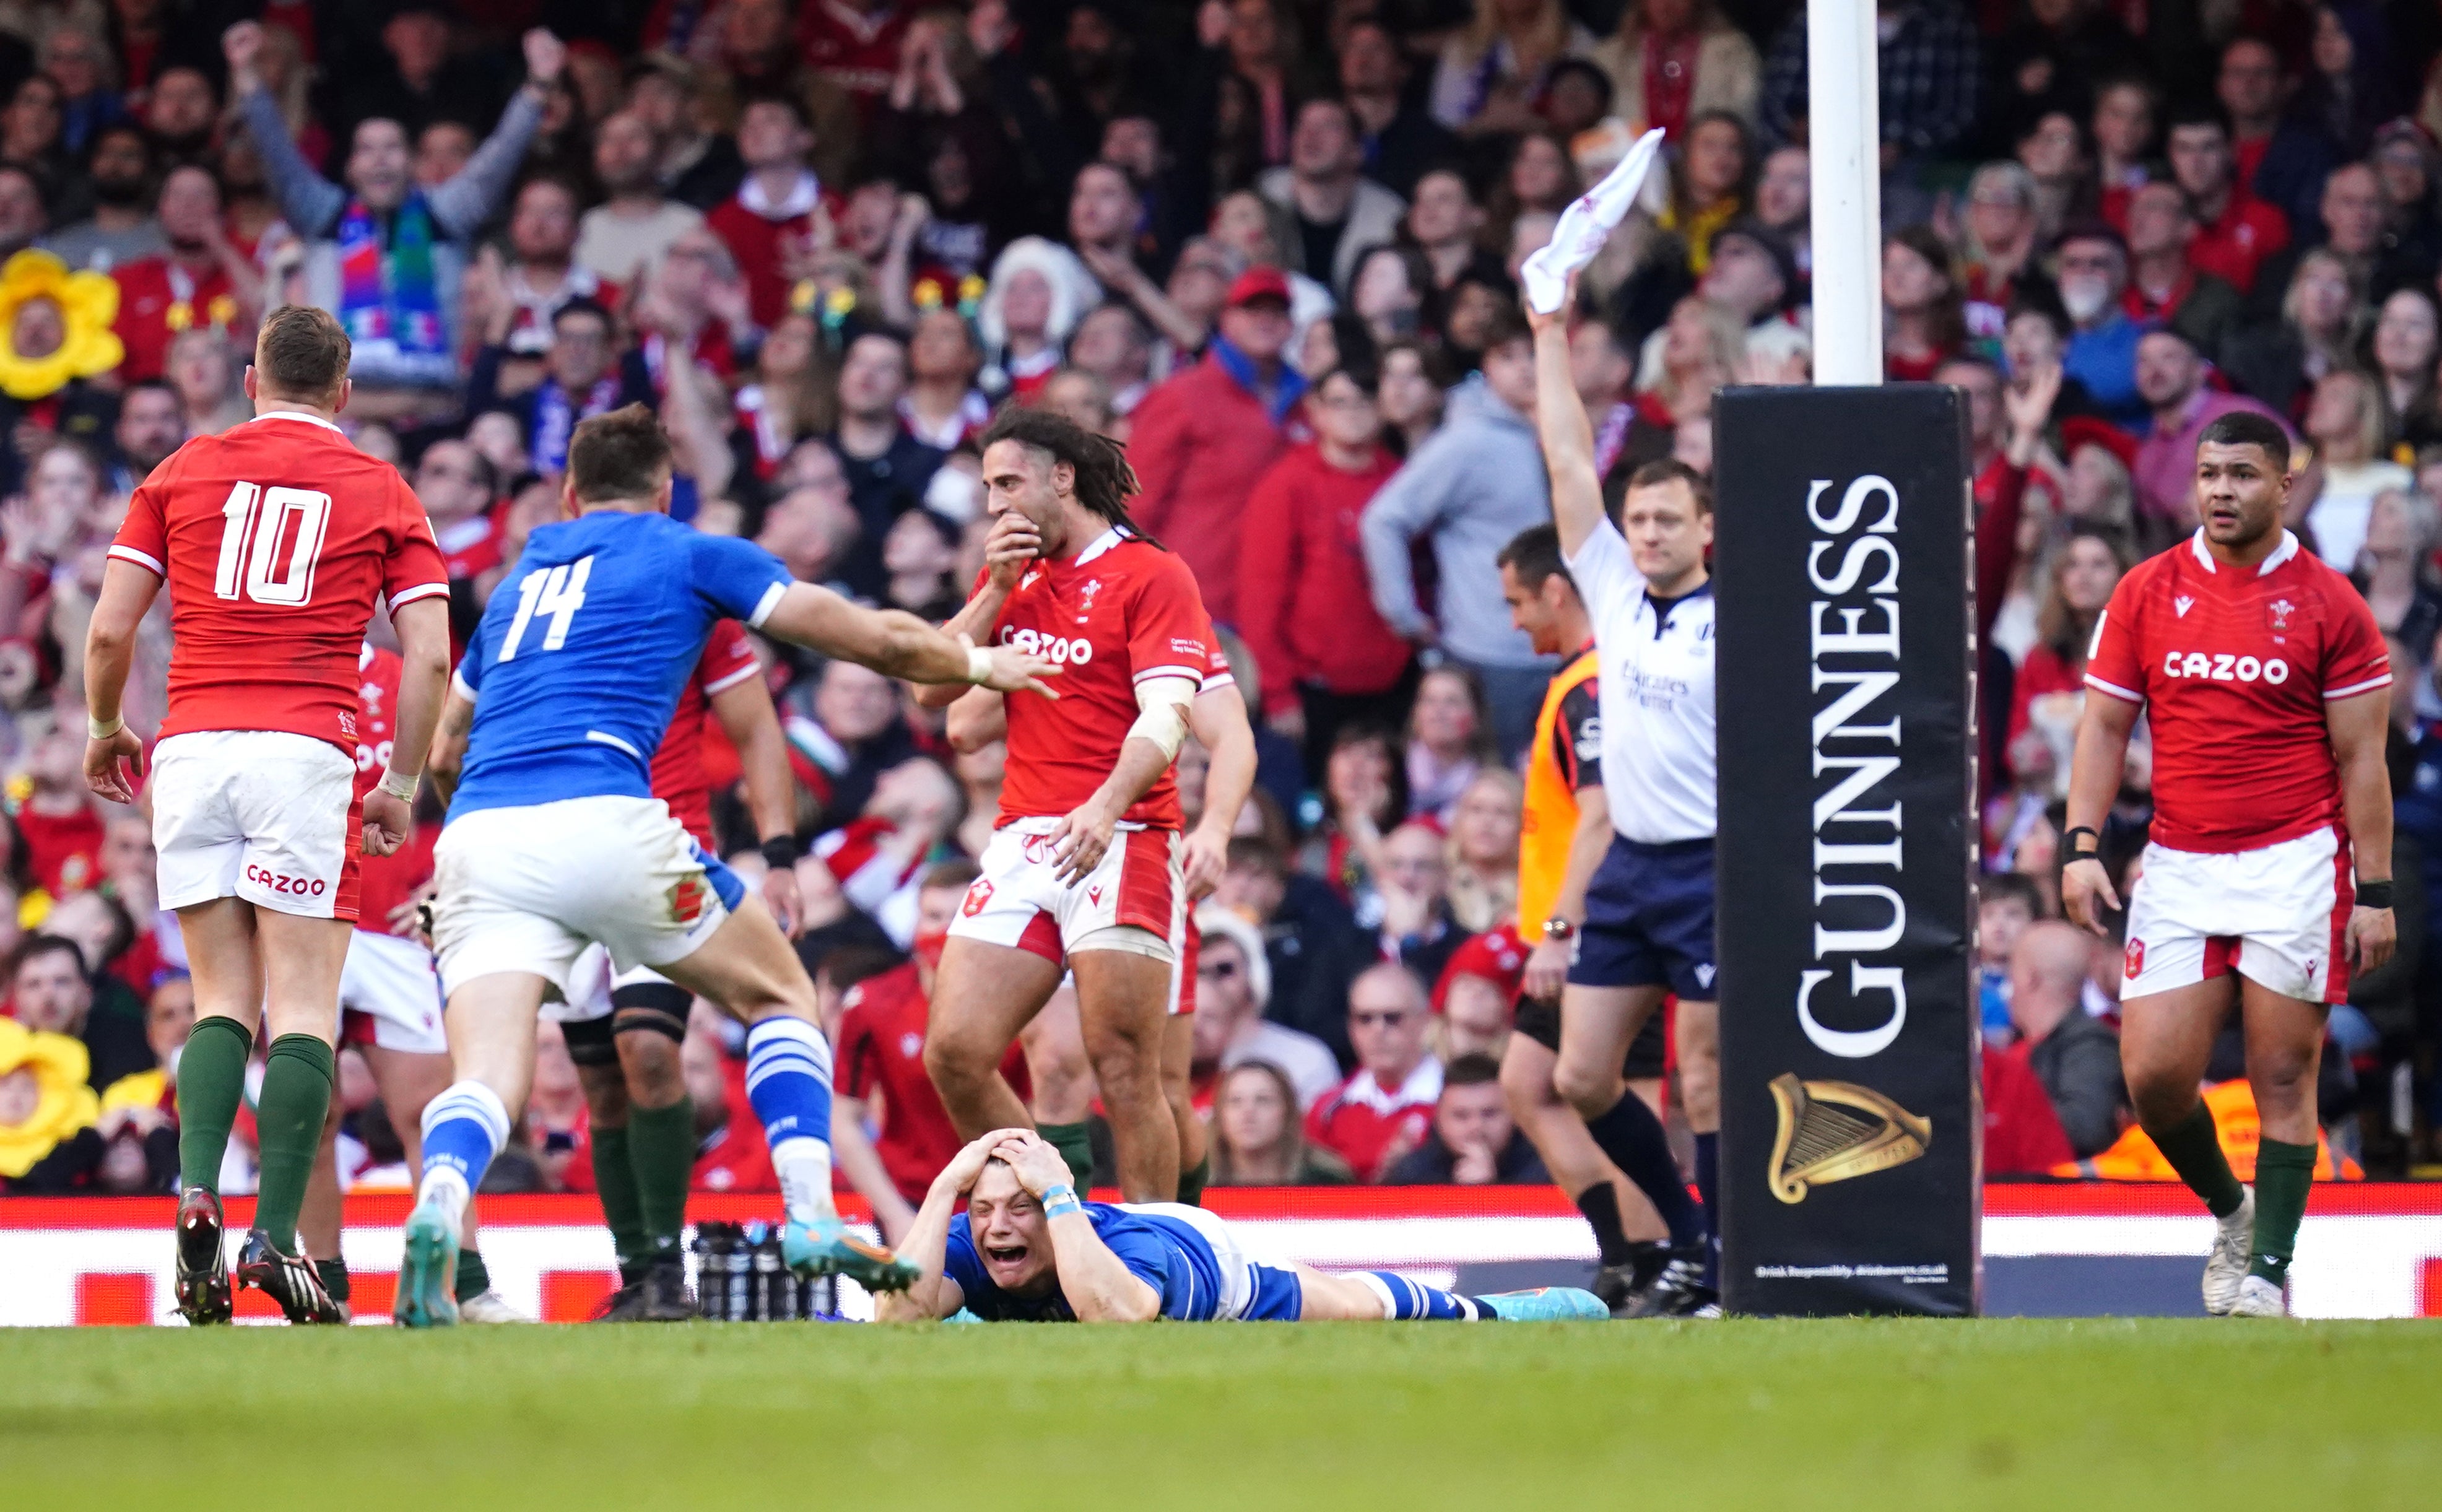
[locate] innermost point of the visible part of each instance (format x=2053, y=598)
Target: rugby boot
x=2226, y=1267
x=2259, y=1297
x=203, y=1259
x=289, y=1280
x=488, y=1306
x=428, y=1273
x=824, y=1248
x=614, y=1305
x=1546, y=1304
x=658, y=1296
x=1679, y=1291
x=1618, y=1285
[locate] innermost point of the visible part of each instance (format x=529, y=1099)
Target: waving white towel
x=1586, y=225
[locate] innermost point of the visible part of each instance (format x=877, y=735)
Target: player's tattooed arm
x=1218, y=719
x=1013, y=546
x=897, y=644
x=2360, y=728
x=925, y=1245
x=2094, y=776
x=113, y=756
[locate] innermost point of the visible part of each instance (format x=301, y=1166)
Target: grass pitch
x=1896, y=1416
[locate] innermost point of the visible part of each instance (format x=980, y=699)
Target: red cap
x=2085, y=430
x=1498, y=956
x=1258, y=284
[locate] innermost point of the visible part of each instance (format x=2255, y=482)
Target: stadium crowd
x=1273, y=248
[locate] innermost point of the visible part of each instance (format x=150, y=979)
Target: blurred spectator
x=59, y=824
x=2396, y=569
x=2236, y=231
x=1672, y=61
x=150, y=427
x=511, y=305
x=2002, y=229
x=942, y=407
x=2353, y=213
x=2006, y=903
x=2164, y=287
x=1491, y=70
x=1385, y=1109
x=1258, y=1140
x=47, y=1143
x=2049, y=691
x=2075, y=1056
x=1473, y=1142
x=2282, y=158
x=1233, y=987
x=2125, y=125
x=1202, y=440
x=887, y=469
x=637, y=223
x=1304, y=602
x=121, y=228
x=197, y=281
x=1924, y=322
x=1473, y=485
x=1408, y=906
x=1929, y=65
x=1483, y=826
x=583, y=375
x=1449, y=740
x=2102, y=353
x=1337, y=212
x=2321, y=319
x=2334, y=494
x=52, y=990
x=385, y=254
x=770, y=224
x=2022, y=1135
x=1398, y=137
x=849, y=732
x=2171, y=370
x=2406, y=341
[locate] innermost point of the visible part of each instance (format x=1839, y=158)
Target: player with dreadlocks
x=1084, y=872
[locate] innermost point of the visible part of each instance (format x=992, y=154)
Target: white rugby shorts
x=389, y=996
x=591, y=982
x=2278, y=916
x=260, y=814
x=527, y=888
x=1019, y=900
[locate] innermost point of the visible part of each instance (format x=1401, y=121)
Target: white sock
x=804, y=1167
x=445, y=1188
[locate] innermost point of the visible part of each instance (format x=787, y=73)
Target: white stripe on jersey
x=1659, y=762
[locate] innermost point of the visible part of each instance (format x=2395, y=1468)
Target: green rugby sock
x=661, y=1148
x=335, y=1278
x=288, y=1118
x=1192, y=1183
x=2284, y=1174
x=1076, y=1145
x=2193, y=1146
x=211, y=1083
x=614, y=1182
x=473, y=1280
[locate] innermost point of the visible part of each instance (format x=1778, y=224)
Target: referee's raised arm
x=1568, y=436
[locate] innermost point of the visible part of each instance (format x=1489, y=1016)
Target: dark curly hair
x=1105, y=483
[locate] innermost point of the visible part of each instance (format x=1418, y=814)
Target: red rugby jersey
x=275, y=537
x=1120, y=612
x=2234, y=667
x=678, y=761
x=881, y=1048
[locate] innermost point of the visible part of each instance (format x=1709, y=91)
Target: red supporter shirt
x=735, y=1156
x=679, y=777
x=1117, y=612
x=881, y=1047
x=756, y=230
x=2022, y=1132
x=2234, y=667
x=384, y=883
x=63, y=851
x=159, y=298
x=1305, y=599
x=1361, y=1119
x=275, y=537
x=855, y=47
x=2233, y=246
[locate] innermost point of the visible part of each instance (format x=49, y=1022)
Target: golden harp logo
x=1830, y=1131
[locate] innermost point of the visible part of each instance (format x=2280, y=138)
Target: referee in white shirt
x=1648, y=924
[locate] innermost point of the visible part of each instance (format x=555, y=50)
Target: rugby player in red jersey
x=627, y=1036
x=2266, y=687
x=1083, y=872
x=276, y=538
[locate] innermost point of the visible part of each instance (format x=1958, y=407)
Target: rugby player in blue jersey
x=1028, y=1251
x=554, y=839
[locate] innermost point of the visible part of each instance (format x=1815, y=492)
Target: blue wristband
x=1061, y=1199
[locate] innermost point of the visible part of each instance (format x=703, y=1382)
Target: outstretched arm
x=1568, y=436
x=463, y=202
x=897, y=644
x=311, y=202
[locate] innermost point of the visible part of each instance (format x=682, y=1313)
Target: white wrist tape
x=980, y=664
x=1164, y=700
x=102, y=732
x=400, y=785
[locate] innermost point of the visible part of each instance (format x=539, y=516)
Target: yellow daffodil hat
x=86, y=305
x=63, y=1105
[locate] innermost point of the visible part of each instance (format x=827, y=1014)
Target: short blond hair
x=302, y=352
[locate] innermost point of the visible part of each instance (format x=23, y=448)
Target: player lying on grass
x=554, y=840
x=1028, y=1251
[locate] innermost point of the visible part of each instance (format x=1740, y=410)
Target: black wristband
x=780, y=852
x=2068, y=844
x=2373, y=894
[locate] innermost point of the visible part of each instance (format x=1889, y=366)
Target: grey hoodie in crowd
x=1473, y=486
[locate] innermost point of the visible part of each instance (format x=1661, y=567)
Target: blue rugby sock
x=1405, y=1301
x=464, y=1129
x=1633, y=1137
x=789, y=1081
x=1708, y=1190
